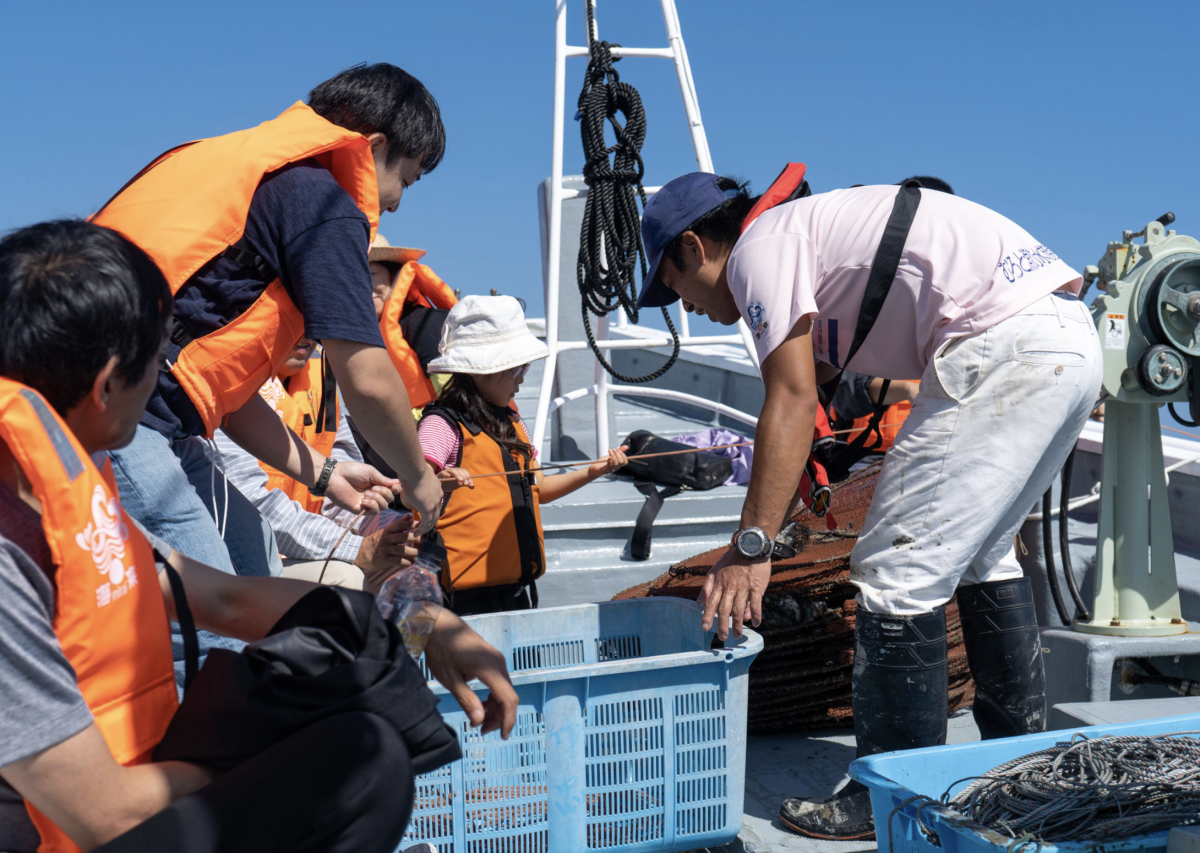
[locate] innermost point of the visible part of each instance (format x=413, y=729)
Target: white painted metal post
x=554, y=224
x=676, y=52
x=602, y=444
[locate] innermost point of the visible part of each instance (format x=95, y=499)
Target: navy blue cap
x=668, y=214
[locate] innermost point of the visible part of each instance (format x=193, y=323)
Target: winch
x=1148, y=319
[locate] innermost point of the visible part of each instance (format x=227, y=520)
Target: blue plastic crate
x=630, y=736
x=896, y=776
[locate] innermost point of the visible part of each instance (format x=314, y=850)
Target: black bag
x=331, y=653
x=698, y=469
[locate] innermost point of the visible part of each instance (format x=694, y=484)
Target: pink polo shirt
x=964, y=269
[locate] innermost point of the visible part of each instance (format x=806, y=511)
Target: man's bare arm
x=354, y=486
x=783, y=436
x=378, y=401
x=735, y=585
x=229, y=605
x=78, y=785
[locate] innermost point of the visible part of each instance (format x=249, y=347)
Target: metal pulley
x=1161, y=370
x=1173, y=305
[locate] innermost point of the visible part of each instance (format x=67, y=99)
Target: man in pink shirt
x=1010, y=368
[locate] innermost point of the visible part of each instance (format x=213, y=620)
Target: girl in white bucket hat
x=492, y=528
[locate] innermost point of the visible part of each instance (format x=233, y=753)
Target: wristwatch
x=318, y=489
x=752, y=543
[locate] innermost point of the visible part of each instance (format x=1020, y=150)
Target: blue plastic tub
x=896, y=776
x=630, y=736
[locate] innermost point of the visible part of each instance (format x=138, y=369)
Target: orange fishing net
x=801, y=679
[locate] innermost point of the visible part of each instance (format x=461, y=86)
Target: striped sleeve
x=440, y=441
x=299, y=534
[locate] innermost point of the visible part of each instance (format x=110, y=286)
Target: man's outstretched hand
x=456, y=655
x=359, y=487
x=734, y=588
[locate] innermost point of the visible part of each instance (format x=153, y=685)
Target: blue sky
x=1076, y=120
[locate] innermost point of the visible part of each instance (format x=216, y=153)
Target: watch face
x=750, y=543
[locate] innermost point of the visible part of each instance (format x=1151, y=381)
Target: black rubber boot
x=900, y=702
x=1004, y=649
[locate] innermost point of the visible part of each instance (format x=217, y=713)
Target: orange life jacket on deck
x=109, y=614
x=889, y=425
x=493, y=533
x=299, y=406
x=415, y=284
x=190, y=205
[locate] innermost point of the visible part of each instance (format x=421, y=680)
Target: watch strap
x=318, y=490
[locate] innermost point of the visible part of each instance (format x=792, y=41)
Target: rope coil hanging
x=610, y=240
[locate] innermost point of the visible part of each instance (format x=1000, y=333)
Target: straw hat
x=384, y=252
x=486, y=334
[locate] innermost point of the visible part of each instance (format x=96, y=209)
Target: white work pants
x=996, y=416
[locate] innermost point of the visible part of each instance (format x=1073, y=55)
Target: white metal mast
x=677, y=53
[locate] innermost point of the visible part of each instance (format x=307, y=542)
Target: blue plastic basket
x=897, y=776
x=630, y=736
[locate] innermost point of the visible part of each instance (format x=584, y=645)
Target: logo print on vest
x=272, y=391
x=105, y=537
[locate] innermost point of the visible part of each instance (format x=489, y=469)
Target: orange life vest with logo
x=190, y=205
x=109, y=615
x=492, y=533
x=416, y=284
x=299, y=406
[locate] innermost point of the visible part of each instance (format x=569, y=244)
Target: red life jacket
x=109, y=614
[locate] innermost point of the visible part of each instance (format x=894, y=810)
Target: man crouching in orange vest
x=85, y=651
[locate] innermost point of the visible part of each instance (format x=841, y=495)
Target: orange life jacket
x=889, y=425
x=299, y=406
x=109, y=613
x=415, y=284
x=190, y=205
x=493, y=533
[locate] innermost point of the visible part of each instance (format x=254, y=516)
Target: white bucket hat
x=486, y=334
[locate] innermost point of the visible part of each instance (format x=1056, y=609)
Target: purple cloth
x=743, y=457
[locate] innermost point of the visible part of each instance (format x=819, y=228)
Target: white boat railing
x=602, y=387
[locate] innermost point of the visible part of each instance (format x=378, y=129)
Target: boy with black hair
x=85, y=654
x=1009, y=364
x=263, y=234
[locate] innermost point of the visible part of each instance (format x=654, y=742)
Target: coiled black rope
x=610, y=241
x=1098, y=789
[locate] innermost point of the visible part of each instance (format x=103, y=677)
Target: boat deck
x=588, y=559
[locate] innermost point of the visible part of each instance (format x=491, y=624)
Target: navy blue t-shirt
x=311, y=232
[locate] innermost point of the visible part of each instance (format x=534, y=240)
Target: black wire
x=1048, y=552
x=610, y=240
x=1176, y=416
x=1064, y=541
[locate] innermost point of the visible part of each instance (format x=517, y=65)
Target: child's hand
x=455, y=478
x=616, y=459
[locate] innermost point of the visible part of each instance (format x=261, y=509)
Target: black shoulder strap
x=885, y=264
x=879, y=284
x=327, y=409
x=643, y=528
x=187, y=626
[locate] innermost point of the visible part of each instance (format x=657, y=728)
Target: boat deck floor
x=588, y=560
